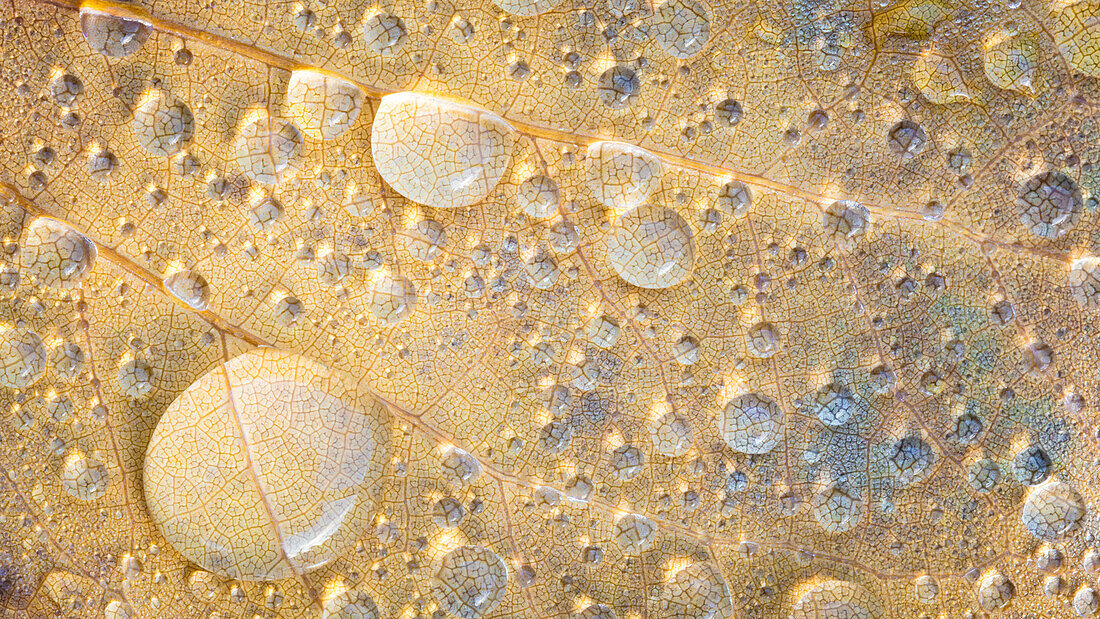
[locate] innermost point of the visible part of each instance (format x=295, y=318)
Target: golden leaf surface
x=537, y=308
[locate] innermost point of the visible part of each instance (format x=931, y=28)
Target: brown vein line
x=135, y=270
x=112, y=7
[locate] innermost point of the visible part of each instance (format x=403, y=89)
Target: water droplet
x=910, y=459
x=751, y=424
x=1077, y=34
x=1032, y=466
x=696, y=591
x=673, y=435
x=543, y=270
x=290, y=424
x=1085, y=601
x=1010, y=62
x=189, y=287
x=448, y=513
x=65, y=88
x=23, y=357
x=538, y=196
x=686, y=350
x=324, y=105
x=906, y=139
x=426, y=240
x=555, y=437
x=652, y=247
x=926, y=588
x=1050, y=203
x=682, y=27
x=84, y=477
x=112, y=36
x=728, y=113
x=633, y=533
x=845, y=222
x=938, y=78
x=343, y=603
x=135, y=377
x=384, y=33
x=628, y=461
x=836, y=598
x=439, y=153
x=526, y=8
x=836, y=508
x=762, y=340
x=984, y=475
x=68, y=360
x=621, y=176
x=470, y=581
x=835, y=404
x=265, y=211
x=618, y=87
x=604, y=331
x=1084, y=281
x=163, y=124
x=392, y=297
x=735, y=198
x=267, y=147
x=459, y=468
x=995, y=591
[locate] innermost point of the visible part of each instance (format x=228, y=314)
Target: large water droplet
x=682, y=27
x=267, y=147
x=439, y=153
x=652, y=247
x=1050, y=203
x=621, y=176
x=324, y=105
x=23, y=356
x=163, y=123
x=284, y=446
x=392, y=297
x=112, y=36
x=751, y=424
x=469, y=581
x=55, y=255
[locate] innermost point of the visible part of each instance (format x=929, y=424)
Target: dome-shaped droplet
x=84, y=477
x=425, y=240
x=1032, y=465
x=526, y=8
x=984, y=475
x=68, y=360
x=190, y=287
x=112, y=36
x=1051, y=510
x=995, y=591
x=673, y=435
x=836, y=598
x=618, y=87
x=384, y=33
x=762, y=340
x=538, y=196
x=696, y=591
x=834, y=404
x=751, y=424
x=682, y=27
x=23, y=356
x=323, y=105
x=448, y=512
x=909, y=459
x=836, y=508
x=686, y=350
x=651, y=247
x=1050, y=203
x=845, y=222
x=627, y=461
x=439, y=153
x=926, y=588
x=633, y=533
x=55, y=255
x=469, y=581
x=459, y=468
x=1084, y=281
x=621, y=176
x=1076, y=31
x=284, y=445
x=1086, y=603
x=135, y=377
x=344, y=603
x=267, y=147
x=906, y=139
x=163, y=124
x=728, y=113
x=65, y=87
x=1010, y=61
x=391, y=297
x=734, y=198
